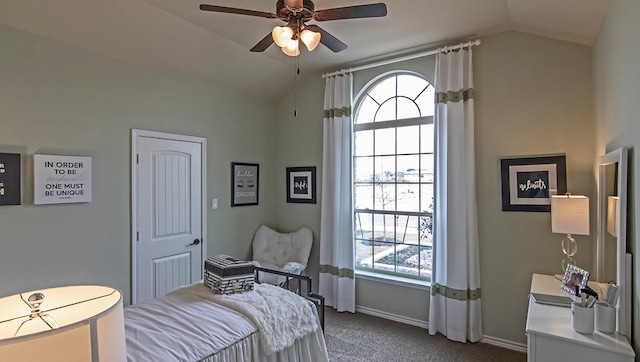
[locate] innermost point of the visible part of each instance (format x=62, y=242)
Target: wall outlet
x=214, y=204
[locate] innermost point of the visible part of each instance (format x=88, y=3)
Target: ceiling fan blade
x=328, y=40
x=263, y=44
x=351, y=12
x=224, y=9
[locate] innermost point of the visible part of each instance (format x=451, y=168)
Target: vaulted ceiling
x=176, y=35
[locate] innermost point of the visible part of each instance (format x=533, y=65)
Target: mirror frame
x=623, y=262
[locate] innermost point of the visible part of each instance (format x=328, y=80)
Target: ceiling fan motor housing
x=286, y=14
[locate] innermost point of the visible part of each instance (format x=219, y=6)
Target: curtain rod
x=446, y=48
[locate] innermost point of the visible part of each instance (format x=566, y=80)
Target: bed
x=192, y=323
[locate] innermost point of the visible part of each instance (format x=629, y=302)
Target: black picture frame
x=10, y=180
x=529, y=182
x=244, y=183
x=301, y=185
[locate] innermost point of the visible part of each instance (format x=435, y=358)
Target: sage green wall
x=616, y=95
x=533, y=97
x=58, y=99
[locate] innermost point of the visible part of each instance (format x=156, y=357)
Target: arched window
x=393, y=158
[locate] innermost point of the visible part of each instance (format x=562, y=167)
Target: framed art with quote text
x=10, y=190
x=529, y=182
x=244, y=184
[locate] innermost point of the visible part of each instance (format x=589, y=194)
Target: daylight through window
x=393, y=162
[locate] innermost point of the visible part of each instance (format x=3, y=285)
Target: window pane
x=426, y=102
x=408, y=139
x=408, y=197
x=387, y=111
x=363, y=227
x=363, y=143
x=384, y=90
x=385, y=196
x=426, y=197
x=426, y=138
x=407, y=109
x=363, y=169
x=426, y=168
x=408, y=165
x=411, y=230
x=363, y=196
x=385, y=141
x=385, y=169
x=366, y=111
x=410, y=85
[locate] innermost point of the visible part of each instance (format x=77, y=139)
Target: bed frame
x=295, y=282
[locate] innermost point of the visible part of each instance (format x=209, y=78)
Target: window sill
x=394, y=279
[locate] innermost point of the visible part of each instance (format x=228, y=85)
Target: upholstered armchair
x=286, y=252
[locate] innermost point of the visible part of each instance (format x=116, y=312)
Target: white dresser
x=550, y=336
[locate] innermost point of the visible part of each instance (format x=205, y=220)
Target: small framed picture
x=244, y=184
x=574, y=277
x=528, y=183
x=301, y=185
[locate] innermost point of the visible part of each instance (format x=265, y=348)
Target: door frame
x=135, y=135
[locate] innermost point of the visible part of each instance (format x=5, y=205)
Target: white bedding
x=186, y=325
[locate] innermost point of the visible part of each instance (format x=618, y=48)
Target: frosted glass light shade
x=310, y=38
x=570, y=214
x=281, y=35
x=291, y=49
x=89, y=320
x=613, y=215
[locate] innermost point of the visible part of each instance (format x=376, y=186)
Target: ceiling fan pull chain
x=295, y=87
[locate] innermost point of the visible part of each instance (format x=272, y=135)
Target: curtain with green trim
x=337, y=282
x=455, y=303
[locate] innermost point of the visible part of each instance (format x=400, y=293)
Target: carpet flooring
x=364, y=338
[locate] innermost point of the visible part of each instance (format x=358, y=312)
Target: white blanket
x=280, y=315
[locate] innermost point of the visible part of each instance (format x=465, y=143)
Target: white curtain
x=455, y=305
x=337, y=282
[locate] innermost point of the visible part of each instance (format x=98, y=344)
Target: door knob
x=195, y=242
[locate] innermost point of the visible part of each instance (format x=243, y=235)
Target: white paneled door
x=169, y=237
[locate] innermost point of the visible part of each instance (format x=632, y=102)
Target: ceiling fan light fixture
x=292, y=48
x=310, y=38
x=282, y=35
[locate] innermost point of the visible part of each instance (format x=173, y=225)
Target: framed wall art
x=301, y=185
x=528, y=183
x=10, y=184
x=244, y=184
x=61, y=179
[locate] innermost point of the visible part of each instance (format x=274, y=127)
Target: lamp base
x=569, y=248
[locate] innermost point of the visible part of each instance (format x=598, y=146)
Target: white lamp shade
x=570, y=214
x=613, y=215
x=281, y=35
x=90, y=322
x=310, y=38
x=291, y=49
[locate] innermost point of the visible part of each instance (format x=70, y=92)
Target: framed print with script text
x=529, y=182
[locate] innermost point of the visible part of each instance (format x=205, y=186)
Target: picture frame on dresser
x=574, y=277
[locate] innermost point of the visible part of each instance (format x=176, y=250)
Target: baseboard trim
x=393, y=317
x=422, y=324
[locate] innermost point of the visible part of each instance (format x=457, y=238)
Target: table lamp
x=569, y=215
x=71, y=323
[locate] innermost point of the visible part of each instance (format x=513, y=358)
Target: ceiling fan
x=296, y=13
